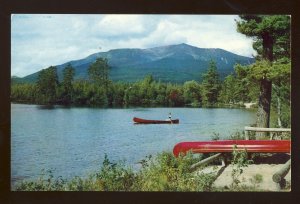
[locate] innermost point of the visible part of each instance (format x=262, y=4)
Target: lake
x=73, y=141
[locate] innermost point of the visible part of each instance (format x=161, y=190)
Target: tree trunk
x=278, y=96
x=268, y=47
x=264, y=105
x=279, y=112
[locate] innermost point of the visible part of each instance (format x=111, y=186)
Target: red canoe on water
x=258, y=146
x=143, y=121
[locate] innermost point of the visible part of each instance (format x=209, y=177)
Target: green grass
x=161, y=173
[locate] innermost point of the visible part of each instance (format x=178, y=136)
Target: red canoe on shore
x=143, y=121
x=258, y=146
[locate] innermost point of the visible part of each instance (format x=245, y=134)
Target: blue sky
x=41, y=40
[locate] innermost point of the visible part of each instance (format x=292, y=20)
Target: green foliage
x=192, y=93
x=161, y=97
x=239, y=161
x=237, y=136
x=47, y=86
x=238, y=87
x=24, y=93
x=228, y=93
x=271, y=34
x=167, y=173
x=161, y=173
x=80, y=89
x=66, y=85
x=175, y=96
x=89, y=94
x=118, y=94
x=281, y=100
x=277, y=71
x=115, y=176
x=98, y=72
x=210, y=85
x=131, y=96
x=46, y=182
x=146, y=92
x=281, y=106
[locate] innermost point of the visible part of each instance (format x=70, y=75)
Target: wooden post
x=204, y=161
x=279, y=175
x=272, y=135
x=246, y=135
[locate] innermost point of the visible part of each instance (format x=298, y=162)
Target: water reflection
x=46, y=107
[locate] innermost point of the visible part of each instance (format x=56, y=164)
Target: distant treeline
x=102, y=92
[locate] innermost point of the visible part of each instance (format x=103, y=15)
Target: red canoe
x=143, y=121
x=258, y=146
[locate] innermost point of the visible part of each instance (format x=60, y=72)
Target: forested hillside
x=163, y=63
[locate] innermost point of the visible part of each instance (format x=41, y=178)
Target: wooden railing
x=260, y=129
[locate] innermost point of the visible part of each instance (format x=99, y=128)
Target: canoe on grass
x=258, y=146
x=144, y=121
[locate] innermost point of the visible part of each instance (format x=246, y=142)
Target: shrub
x=161, y=173
x=239, y=161
x=43, y=183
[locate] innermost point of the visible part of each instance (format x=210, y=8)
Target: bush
x=44, y=183
x=239, y=161
x=161, y=173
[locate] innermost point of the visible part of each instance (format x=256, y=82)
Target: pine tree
x=271, y=34
x=47, y=85
x=211, y=85
x=98, y=72
x=67, y=86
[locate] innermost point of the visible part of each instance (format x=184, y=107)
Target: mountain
x=173, y=63
x=16, y=80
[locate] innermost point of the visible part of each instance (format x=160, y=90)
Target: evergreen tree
x=192, y=93
x=98, y=92
x=119, y=92
x=47, y=85
x=210, y=85
x=132, y=95
x=67, y=86
x=279, y=73
x=98, y=72
x=228, y=93
x=271, y=34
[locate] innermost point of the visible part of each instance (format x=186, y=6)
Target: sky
x=42, y=40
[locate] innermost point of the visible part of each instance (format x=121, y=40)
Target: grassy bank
x=163, y=172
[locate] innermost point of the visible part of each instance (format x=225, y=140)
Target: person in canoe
x=170, y=118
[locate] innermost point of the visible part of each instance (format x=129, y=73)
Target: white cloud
x=39, y=41
x=120, y=25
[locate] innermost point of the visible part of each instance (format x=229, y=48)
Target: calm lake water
x=73, y=141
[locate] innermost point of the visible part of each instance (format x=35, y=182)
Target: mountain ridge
x=163, y=62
